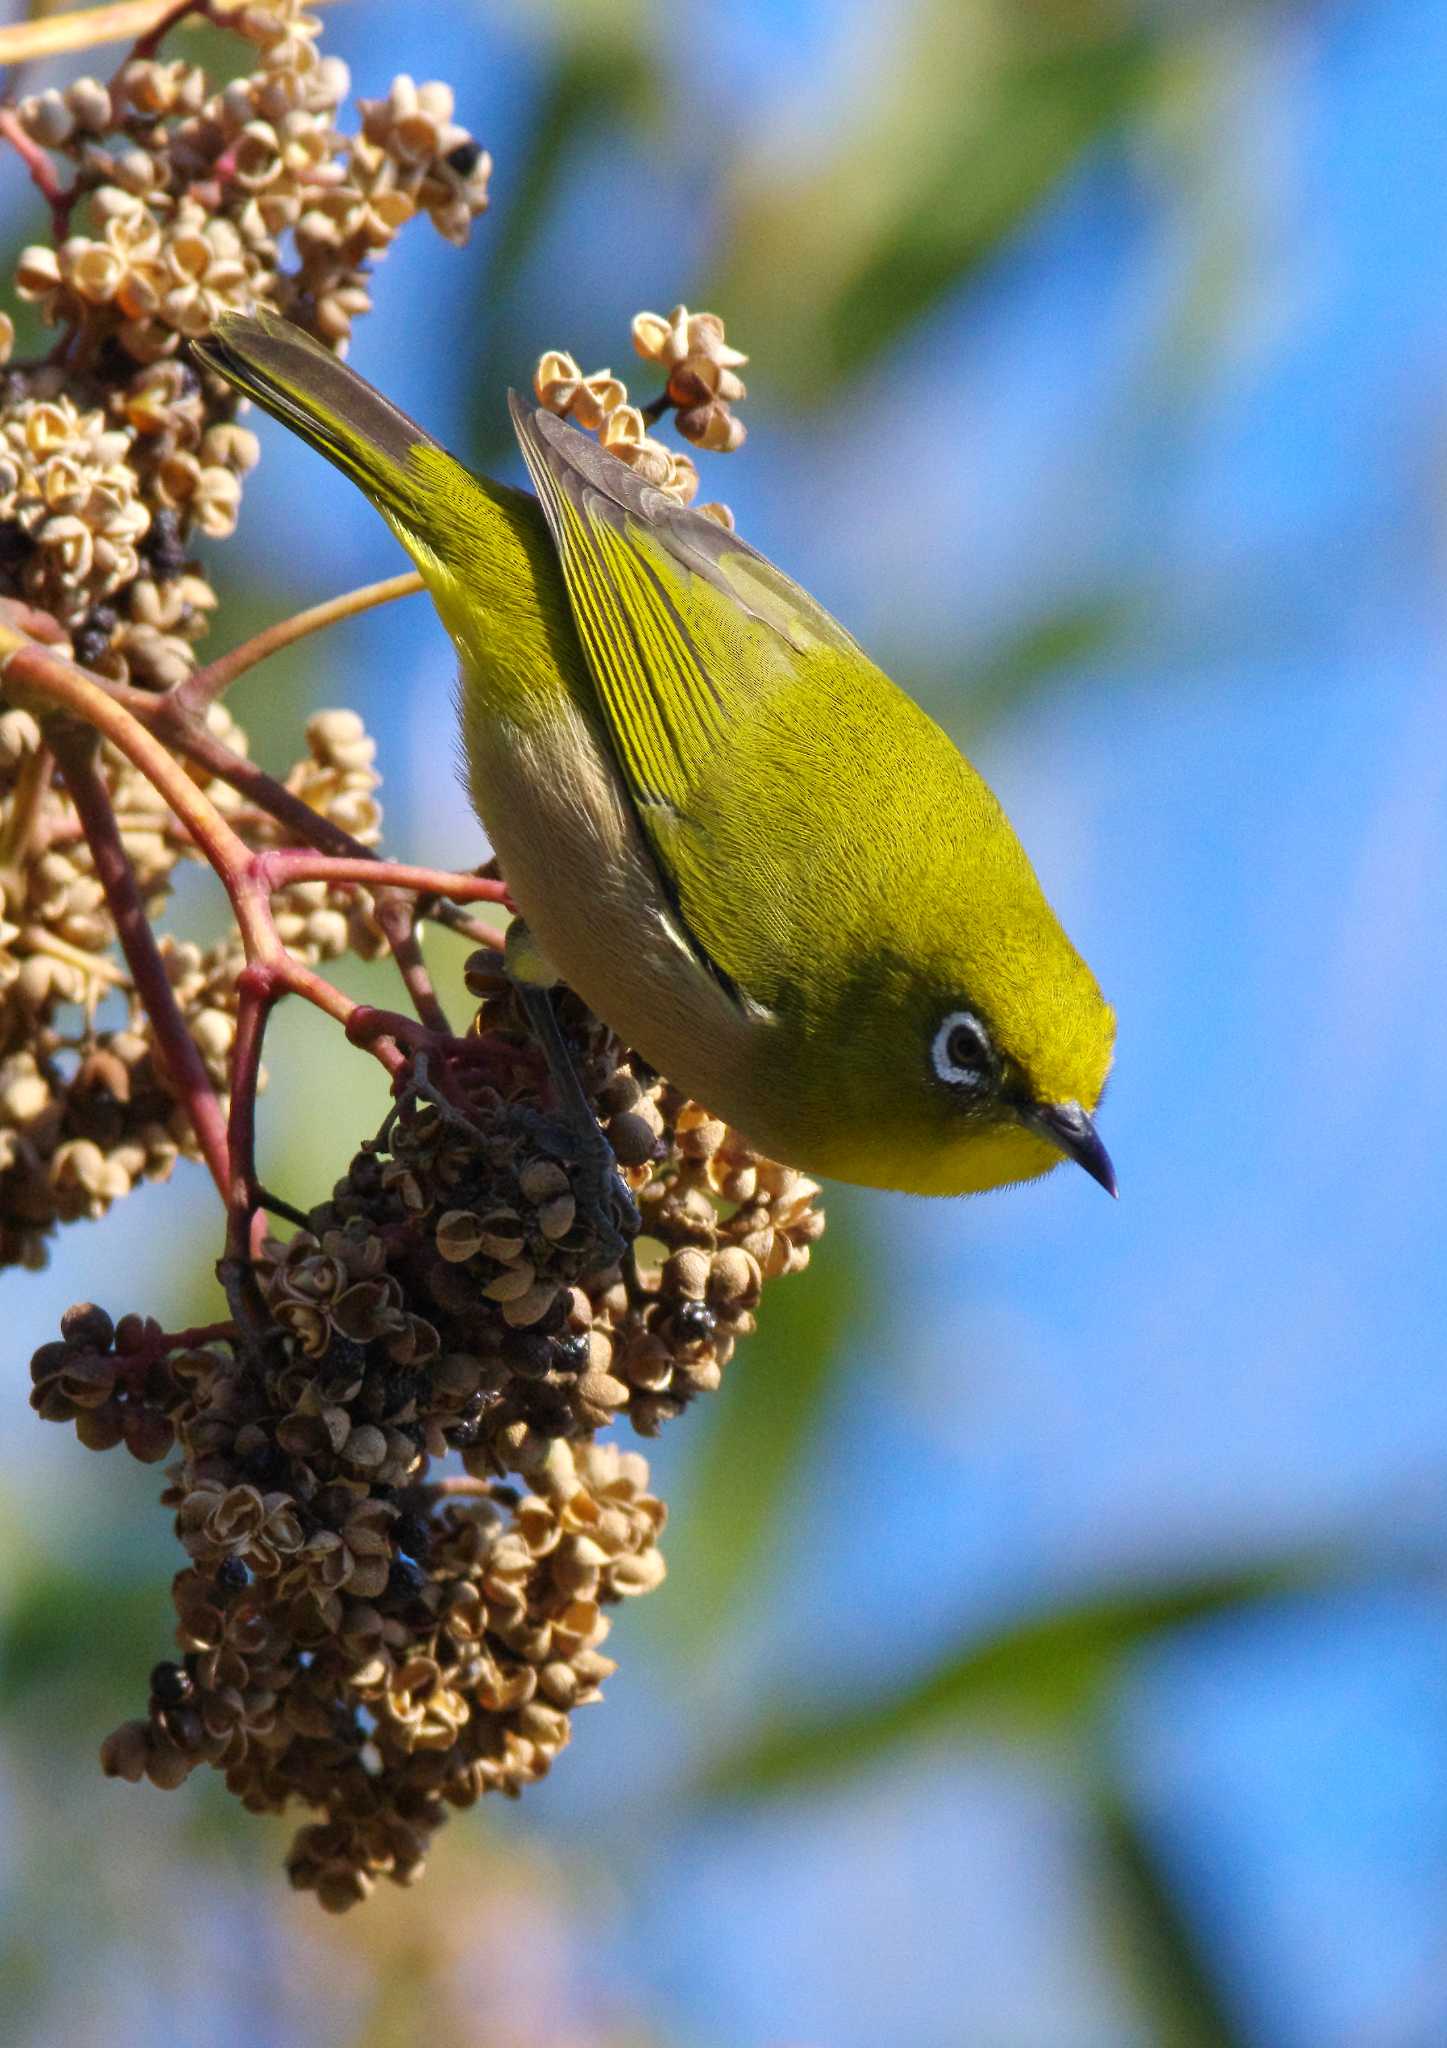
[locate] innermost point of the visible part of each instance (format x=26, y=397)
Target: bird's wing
x=684, y=625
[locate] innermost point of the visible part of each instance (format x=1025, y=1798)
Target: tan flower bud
x=90, y=103
x=734, y=1279
x=512, y=1283
x=650, y=336
x=125, y=1751
x=521, y=1311
x=557, y=1216
x=459, y=1235
x=37, y=271
x=47, y=118
x=641, y=1574
x=540, y=1179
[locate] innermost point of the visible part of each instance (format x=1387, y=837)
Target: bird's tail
x=308, y=389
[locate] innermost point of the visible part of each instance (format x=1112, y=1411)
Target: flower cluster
x=703, y=380
x=184, y=194
x=402, y=1536
x=86, y=1111
x=356, y=1632
x=116, y=457
x=702, y=384
x=184, y=200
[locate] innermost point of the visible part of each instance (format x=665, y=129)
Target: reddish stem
x=397, y=915
x=204, y=685
x=75, y=750
x=33, y=670
x=147, y=45
x=191, y=737
x=256, y=993
x=42, y=172
x=249, y=878
x=300, y=865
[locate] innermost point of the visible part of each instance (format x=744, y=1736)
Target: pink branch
x=279, y=868
x=204, y=685
x=42, y=172
x=63, y=693
x=256, y=994
x=182, y=1060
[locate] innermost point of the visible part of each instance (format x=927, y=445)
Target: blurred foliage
x=832, y=245
x=1043, y=1678
x=1050, y=1681
x=975, y=113
x=772, y=1408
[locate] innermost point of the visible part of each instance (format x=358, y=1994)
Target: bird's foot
x=607, y=1212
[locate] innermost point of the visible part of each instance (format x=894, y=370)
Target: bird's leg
x=604, y=1197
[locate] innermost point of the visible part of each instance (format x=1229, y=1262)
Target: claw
x=602, y=1193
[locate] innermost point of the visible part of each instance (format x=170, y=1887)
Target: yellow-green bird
x=743, y=846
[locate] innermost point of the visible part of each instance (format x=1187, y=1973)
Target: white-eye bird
x=747, y=850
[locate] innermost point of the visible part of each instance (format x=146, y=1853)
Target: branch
x=33, y=672
x=205, y=685
x=59, y=198
x=191, y=737
x=75, y=749
x=88, y=27
x=285, y=866
x=242, y=1194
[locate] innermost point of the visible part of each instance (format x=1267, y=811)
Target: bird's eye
x=961, y=1051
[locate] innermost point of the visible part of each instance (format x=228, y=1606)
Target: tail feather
x=310, y=390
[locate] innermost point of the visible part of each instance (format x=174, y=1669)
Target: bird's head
x=972, y=1052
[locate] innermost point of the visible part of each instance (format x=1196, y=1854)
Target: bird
x=756, y=858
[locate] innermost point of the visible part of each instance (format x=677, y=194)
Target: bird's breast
x=577, y=867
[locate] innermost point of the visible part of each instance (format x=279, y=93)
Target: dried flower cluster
x=703, y=383
x=85, y=1109
x=356, y=1635
x=402, y=1536
x=115, y=456
x=184, y=200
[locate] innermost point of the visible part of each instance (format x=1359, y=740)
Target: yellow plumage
x=750, y=852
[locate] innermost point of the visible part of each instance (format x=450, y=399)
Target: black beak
x=1066, y=1126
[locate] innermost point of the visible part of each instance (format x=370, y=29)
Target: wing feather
x=684, y=625
x=692, y=638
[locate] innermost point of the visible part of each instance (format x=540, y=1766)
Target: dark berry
x=570, y=1353
x=694, y=1322
x=266, y=1464
x=171, y=1685
x=406, y=1579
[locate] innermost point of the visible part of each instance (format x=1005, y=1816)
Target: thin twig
x=204, y=685
x=32, y=670
x=87, y=28
x=18, y=833
x=42, y=171
x=397, y=915
x=256, y=994
x=287, y=865
x=150, y=39
x=192, y=737
x=76, y=749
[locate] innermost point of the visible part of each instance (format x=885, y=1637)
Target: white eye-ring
x=961, y=1051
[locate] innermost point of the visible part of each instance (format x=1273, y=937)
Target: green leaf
x=1152, y=1937
x=769, y=1412
x=983, y=108
x=601, y=73
x=71, y=1636
x=1036, y=1678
